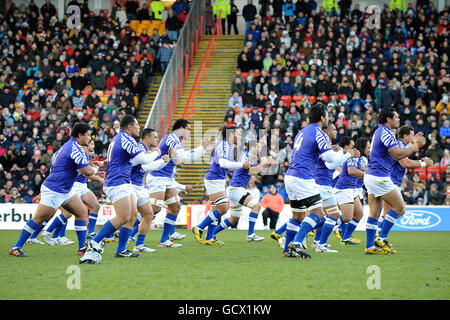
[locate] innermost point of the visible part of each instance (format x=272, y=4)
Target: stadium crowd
x=52, y=76
x=299, y=54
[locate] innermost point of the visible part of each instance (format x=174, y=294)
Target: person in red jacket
x=273, y=204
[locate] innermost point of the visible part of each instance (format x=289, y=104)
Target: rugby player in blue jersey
x=123, y=153
x=383, y=154
x=324, y=179
x=239, y=196
x=163, y=190
x=347, y=191
x=405, y=135
x=56, y=190
x=222, y=160
x=304, y=195
x=149, y=142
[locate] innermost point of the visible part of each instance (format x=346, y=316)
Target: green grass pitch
x=239, y=270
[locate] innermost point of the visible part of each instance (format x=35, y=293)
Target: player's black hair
x=385, y=114
x=317, y=112
x=360, y=145
x=223, y=131
x=345, y=141
x=404, y=131
x=79, y=128
x=180, y=123
x=146, y=132
x=126, y=121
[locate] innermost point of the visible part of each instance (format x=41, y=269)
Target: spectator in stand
x=249, y=13
x=132, y=7
x=235, y=100
x=157, y=8
x=232, y=18
x=273, y=204
x=224, y=7
x=164, y=55
x=444, y=131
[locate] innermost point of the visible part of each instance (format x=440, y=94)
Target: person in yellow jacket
x=157, y=8
x=329, y=4
x=398, y=4
x=224, y=7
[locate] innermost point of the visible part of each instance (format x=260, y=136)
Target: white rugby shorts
x=116, y=193
x=378, y=186
x=80, y=188
x=235, y=194
x=159, y=184
x=299, y=189
x=327, y=195
x=142, y=195
x=344, y=196
x=54, y=199
x=214, y=186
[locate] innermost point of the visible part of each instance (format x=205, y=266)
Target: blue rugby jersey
x=380, y=160
x=322, y=174
x=398, y=172
x=309, y=143
x=364, y=163
x=122, y=149
x=345, y=180
x=242, y=176
x=65, y=166
x=137, y=173
x=223, y=150
x=171, y=140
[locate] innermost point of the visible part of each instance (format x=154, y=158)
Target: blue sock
x=124, y=235
x=212, y=216
x=222, y=226
x=308, y=224
x=107, y=230
x=251, y=222
x=343, y=229
x=62, y=230
x=389, y=221
x=140, y=240
x=136, y=225
x=92, y=222
x=281, y=229
x=327, y=228
x=380, y=223
x=211, y=231
x=168, y=222
x=351, y=226
x=319, y=228
x=56, y=232
x=38, y=230
x=340, y=222
x=371, y=230
x=81, y=230
x=57, y=222
x=292, y=228
x=111, y=235
x=26, y=233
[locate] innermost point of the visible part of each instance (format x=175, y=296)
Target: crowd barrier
x=416, y=218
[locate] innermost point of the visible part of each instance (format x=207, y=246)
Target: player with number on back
x=310, y=143
x=56, y=190
x=384, y=152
